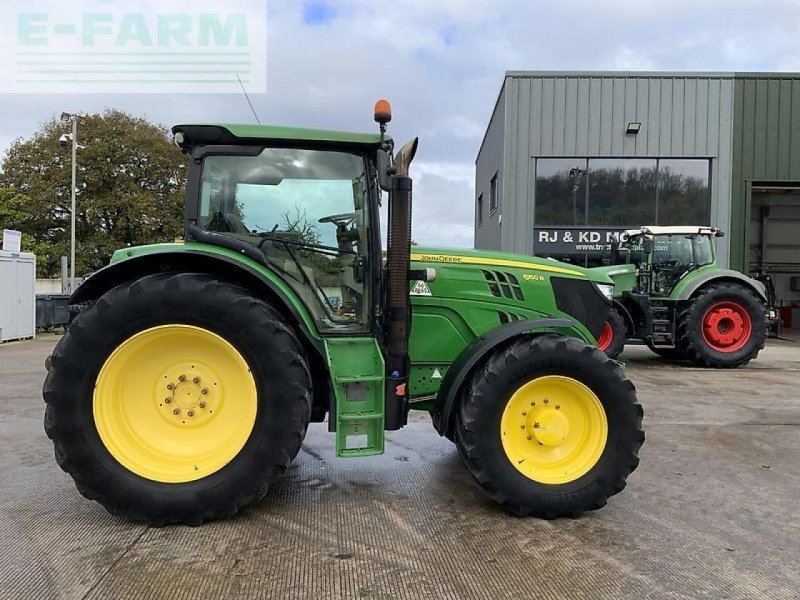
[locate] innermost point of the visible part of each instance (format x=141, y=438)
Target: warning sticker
x=421, y=289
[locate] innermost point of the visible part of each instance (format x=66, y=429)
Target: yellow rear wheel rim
x=175, y=403
x=554, y=429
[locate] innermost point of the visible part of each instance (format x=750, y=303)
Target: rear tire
x=612, y=340
x=172, y=303
x=723, y=327
x=480, y=432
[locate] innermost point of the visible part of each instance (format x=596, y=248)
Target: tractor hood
x=459, y=256
x=615, y=270
x=509, y=287
x=624, y=277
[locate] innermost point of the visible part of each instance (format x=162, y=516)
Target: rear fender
x=236, y=269
x=462, y=368
x=687, y=289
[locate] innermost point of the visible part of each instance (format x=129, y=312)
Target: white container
x=17, y=295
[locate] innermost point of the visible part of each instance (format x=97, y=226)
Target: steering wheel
x=341, y=220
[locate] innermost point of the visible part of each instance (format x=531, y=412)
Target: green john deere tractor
x=670, y=294
x=186, y=381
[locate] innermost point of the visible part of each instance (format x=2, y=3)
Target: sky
x=441, y=64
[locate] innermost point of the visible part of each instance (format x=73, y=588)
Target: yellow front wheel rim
x=175, y=403
x=554, y=429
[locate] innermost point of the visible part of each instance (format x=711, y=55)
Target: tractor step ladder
x=663, y=327
x=358, y=376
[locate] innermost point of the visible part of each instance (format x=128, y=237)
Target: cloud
x=442, y=63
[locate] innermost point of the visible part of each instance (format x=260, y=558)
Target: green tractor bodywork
x=288, y=220
x=659, y=273
x=476, y=300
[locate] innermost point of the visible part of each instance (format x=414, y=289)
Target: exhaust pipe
x=397, y=316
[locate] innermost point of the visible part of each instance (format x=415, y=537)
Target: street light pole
x=72, y=202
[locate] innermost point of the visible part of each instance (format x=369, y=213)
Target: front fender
x=623, y=311
x=447, y=399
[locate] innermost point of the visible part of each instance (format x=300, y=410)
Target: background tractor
x=186, y=381
x=670, y=294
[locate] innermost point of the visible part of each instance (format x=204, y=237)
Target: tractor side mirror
x=385, y=169
x=647, y=244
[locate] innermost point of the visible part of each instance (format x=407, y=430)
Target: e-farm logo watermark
x=125, y=46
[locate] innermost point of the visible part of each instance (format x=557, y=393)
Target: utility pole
x=72, y=118
x=72, y=202
x=574, y=174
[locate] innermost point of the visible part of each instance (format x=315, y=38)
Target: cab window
x=307, y=211
x=672, y=251
x=703, y=252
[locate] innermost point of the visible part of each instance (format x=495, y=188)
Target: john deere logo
x=440, y=258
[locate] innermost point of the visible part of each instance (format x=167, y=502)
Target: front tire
x=612, y=338
x=550, y=427
x=723, y=327
x=177, y=398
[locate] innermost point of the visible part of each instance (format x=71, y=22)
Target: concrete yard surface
x=712, y=510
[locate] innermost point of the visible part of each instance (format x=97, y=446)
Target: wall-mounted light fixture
x=633, y=128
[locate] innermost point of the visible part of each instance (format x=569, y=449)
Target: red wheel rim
x=604, y=341
x=726, y=326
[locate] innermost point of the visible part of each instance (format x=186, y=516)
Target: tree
x=15, y=214
x=327, y=267
x=130, y=186
x=299, y=224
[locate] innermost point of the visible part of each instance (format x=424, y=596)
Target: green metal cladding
x=766, y=145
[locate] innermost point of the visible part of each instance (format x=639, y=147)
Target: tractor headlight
x=607, y=290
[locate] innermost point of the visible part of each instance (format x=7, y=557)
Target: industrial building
x=570, y=158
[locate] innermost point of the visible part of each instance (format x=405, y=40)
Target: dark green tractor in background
x=186, y=382
x=670, y=294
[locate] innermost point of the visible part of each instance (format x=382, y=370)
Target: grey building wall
x=766, y=145
x=489, y=162
x=569, y=114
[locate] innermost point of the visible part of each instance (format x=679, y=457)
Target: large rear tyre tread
x=689, y=336
x=478, y=426
x=257, y=331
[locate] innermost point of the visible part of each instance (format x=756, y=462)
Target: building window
x=493, y=194
x=479, y=211
x=622, y=192
x=684, y=192
x=581, y=202
x=560, y=191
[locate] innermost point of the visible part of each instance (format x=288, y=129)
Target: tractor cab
x=663, y=256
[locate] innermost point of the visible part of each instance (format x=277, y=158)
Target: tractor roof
x=673, y=230
x=205, y=134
